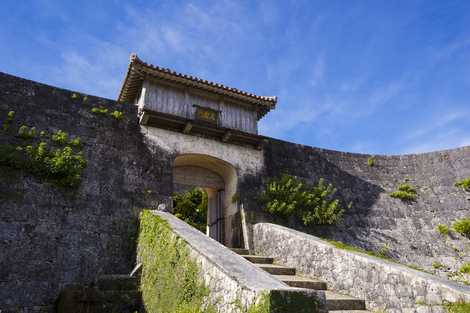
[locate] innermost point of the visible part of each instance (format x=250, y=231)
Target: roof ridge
x=135, y=59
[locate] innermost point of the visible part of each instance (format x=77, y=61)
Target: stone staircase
x=110, y=294
x=336, y=303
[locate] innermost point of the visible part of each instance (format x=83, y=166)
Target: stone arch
x=218, y=178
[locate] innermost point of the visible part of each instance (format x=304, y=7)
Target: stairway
x=336, y=303
x=110, y=294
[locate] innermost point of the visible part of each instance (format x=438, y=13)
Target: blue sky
x=380, y=77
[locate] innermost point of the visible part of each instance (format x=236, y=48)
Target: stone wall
x=51, y=236
x=384, y=285
x=376, y=221
x=234, y=281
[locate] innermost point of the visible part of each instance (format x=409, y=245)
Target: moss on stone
x=458, y=307
x=170, y=277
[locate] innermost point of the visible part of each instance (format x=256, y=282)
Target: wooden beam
x=187, y=128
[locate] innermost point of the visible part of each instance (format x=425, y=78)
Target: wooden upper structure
x=180, y=102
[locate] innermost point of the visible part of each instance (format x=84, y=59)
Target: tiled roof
x=139, y=69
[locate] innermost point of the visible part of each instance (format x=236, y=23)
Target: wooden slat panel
x=181, y=103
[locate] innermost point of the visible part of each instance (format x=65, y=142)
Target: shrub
x=74, y=96
x=60, y=137
x=75, y=142
x=25, y=132
x=465, y=268
x=464, y=184
x=170, y=280
x=312, y=204
x=442, y=229
x=116, y=115
x=9, y=118
x=371, y=161
x=101, y=111
x=462, y=226
x=405, y=192
x=191, y=207
x=61, y=166
x=85, y=99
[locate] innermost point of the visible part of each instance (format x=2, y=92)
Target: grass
x=462, y=226
x=457, y=307
x=443, y=229
x=465, y=268
x=341, y=245
x=381, y=253
x=405, y=192
x=464, y=184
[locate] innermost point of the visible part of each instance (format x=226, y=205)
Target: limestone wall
x=384, y=285
x=376, y=221
x=51, y=236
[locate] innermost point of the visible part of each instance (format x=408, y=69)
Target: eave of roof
x=138, y=70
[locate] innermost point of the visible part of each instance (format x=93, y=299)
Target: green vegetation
x=85, y=99
x=465, y=268
x=341, y=245
x=62, y=166
x=25, y=132
x=191, y=207
x=437, y=265
x=170, y=281
x=8, y=120
x=462, y=227
x=74, y=96
x=458, y=307
x=116, y=115
x=464, y=184
x=60, y=137
x=312, y=204
x=442, y=229
x=371, y=161
x=405, y=192
x=101, y=111
x=75, y=142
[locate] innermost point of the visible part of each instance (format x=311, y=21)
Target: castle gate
x=218, y=178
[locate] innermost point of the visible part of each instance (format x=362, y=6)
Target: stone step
x=302, y=282
x=240, y=251
x=275, y=269
x=259, y=259
x=338, y=302
x=117, y=282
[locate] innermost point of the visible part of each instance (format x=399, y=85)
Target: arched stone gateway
x=211, y=128
x=219, y=179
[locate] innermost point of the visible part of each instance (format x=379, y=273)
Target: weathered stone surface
x=376, y=221
x=381, y=283
x=51, y=237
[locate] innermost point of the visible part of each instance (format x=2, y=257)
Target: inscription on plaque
x=207, y=115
